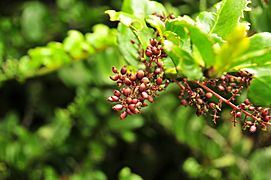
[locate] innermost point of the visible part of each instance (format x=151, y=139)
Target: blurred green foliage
x=59, y=125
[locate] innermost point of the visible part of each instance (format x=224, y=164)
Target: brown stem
x=179, y=84
x=225, y=100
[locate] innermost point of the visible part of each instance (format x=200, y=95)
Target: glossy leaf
x=199, y=39
x=228, y=16
x=259, y=90
x=258, y=52
x=183, y=61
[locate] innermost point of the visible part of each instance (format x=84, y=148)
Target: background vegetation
x=55, y=121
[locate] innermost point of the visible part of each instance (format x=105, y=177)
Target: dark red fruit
x=153, y=42
x=118, y=107
x=123, y=70
x=148, y=52
x=247, y=102
x=159, y=81
x=145, y=80
x=142, y=87
x=253, y=129
x=238, y=114
x=126, y=91
x=157, y=71
x=117, y=93
x=114, y=69
x=114, y=77
x=140, y=74
x=145, y=95
x=266, y=118
x=209, y=95
x=123, y=115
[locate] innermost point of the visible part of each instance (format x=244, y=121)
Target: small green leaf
x=228, y=16
x=127, y=49
x=183, y=61
x=258, y=52
x=205, y=21
x=259, y=90
x=199, y=39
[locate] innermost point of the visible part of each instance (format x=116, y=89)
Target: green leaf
x=139, y=27
x=205, y=21
x=227, y=55
x=183, y=61
x=258, y=52
x=142, y=8
x=127, y=49
x=199, y=39
x=259, y=90
x=126, y=174
x=228, y=16
x=156, y=22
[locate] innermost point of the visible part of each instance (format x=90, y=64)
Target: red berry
x=159, y=81
x=247, y=102
x=157, y=71
x=114, y=77
x=148, y=52
x=155, y=51
x=209, y=95
x=265, y=112
x=129, y=100
x=133, y=77
x=153, y=42
x=212, y=105
x=140, y=74
x=253, y=129
x=266, y=118
x=145, y=95
x=114, y=70
x=160, y=64
x=123, y=115
x=135, y=101
x=150, y=99
x=142, y=87
x=118, y=107
x=238, y=114
x=123, y=70
x=132, y=107
x=145, y=80
x=126, y=91
x=127, y=81
x=221, y=88
x=184, y=102
x=117, y=93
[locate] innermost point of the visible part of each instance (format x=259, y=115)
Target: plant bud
x=140, y=74
x=153, y=42
x=157, y=71
x=253, y=129
x=142, y=87
x=114, y=70
x=114, y=77
x=212, y=105
x=159, y=81
x=127, y=81
x=145, y=80
x=132, y=77
x=209, y=95
x=132, y=107
x=148, y=52
x=265, y=112
x=145, y=95
x=238, y=114
x=123, y=115
x=117, y=93
x=155, y=51
x=118, y=107
x=266, y=118
x=134, y=101
x=247, y=102
x=221, y=88
x=150, y=99
x=126, y=91
x=115, y=98
x=184, y=102
x=123, y=70
x=129, y=100
x=160, y=64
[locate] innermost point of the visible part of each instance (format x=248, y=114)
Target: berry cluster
x=144, y=84
x=203, y=96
